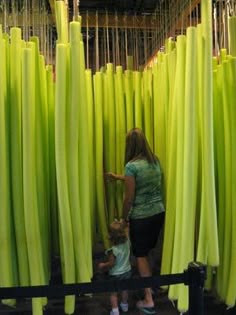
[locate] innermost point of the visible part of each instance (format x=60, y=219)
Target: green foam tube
x=65, y=224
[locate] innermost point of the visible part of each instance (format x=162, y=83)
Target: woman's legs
x=145, y=271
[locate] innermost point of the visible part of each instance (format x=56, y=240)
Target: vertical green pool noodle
x=160, y=112
x=138, y=102
x=169, y=230
x=61, y=172
x=52, y=164
x=208, y=161
x=130, y=63
x=165, y=99
x=202, y=246
x=228, y=176
x=176, y=221
x=32, y=224
x=6, y=269
x=6, y=37
x=147, y=106
x=156, y=100
x=99, y=176
x=72, y=130
x=232, y=35
x=91, y=135
x=40, y=148
x=61, y=21
x=110, y=138
x=84, y=142
x=190, y=160
x=220, y=166
x=171, y=63
x=129, y=99
x=121, y=133
x=231, y=292
x=16, y=155
x=45, y=161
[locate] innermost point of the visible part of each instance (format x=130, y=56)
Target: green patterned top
x=148, y=195
x=122, y=255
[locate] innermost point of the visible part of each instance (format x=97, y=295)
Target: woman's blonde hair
x=117, y=232
x=138, y=147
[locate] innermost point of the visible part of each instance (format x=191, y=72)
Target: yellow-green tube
x=65, y=223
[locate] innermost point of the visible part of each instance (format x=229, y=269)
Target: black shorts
x=144, y=233
x=123, y=276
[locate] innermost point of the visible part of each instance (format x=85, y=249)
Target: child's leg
x=124, y=296
x=124, y=301
x=114, y=303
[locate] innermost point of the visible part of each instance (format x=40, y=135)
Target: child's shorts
x=123, y=276
x=144, y=233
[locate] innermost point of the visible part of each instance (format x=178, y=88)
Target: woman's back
x=148, y=195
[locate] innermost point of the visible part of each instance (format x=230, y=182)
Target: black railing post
x=196, y=278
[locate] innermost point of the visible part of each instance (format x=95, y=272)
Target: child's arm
x=108, y=264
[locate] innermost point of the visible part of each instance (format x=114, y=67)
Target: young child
x=118, y=262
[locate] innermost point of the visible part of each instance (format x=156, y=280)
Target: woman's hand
x=113, y=177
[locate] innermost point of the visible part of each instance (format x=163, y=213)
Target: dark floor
x=98, y=304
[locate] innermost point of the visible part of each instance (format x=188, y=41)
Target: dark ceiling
x=120, y=6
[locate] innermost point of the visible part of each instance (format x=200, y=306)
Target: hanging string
x=182, y=24
x=133, y=44
x=197, y=15
x=97, y=43
x=47, y=39
x=165, y=19
x=75, y=10
x=104, y=46
x=220, y=24
x=190, y=13
x=44, y=29
x=126, y=42
x=224, y=27
x=87, y=41
x=117, y=42
x=155, y=32
x=26, y=20
x=113, y=47
x=5, y=16
x=123, y=56
x=145, y=40
x=229, y=6
x=215, y=30
x=33, y=17
x=162, y=23
x=13, y=7
x=137, y=44
x=108, y=43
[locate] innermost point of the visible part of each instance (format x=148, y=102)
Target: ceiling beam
x=121, y=21
x=110, y=21
x=20, y=20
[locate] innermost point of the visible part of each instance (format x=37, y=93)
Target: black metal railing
x=194, y=277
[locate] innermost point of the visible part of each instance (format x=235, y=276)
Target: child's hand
x=101, y=266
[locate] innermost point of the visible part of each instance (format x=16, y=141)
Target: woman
x=143, y=205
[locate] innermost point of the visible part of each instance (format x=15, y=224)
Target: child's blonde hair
x=117, y=232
